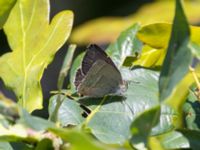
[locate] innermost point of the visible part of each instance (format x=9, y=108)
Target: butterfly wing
x=78, y=78
x=101, y=79
x=93, y=54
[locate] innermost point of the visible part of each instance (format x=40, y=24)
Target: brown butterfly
x=98, y=75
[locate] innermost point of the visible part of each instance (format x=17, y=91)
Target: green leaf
x=125, y=45
x=193, y=137
x=69, y=112
x=22, y=146
x=76, y=64
x=144, y=122
x=195, y=49
x=181, y=139
x=111, y=116
x=33, y=42
x=78, y=140
x=45, y=144
x=8, y=108
x=191, y=109
x=5, y=146
x=155, y=35
x=175, y=67
x=66, y=66
x=13, y=133
x=62, y=75
x=167, y=120
x=150, y=57
x=174, y=140
x=40, y=124
x=6, y=7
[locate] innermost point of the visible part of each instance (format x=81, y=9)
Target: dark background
x=84, y=10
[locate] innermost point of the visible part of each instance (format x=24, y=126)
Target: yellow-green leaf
x=107, y=29
x=33, y=41
x=157, y=35
x=6, y=6
x=150, y=57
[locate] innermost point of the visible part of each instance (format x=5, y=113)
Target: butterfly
x=98, y=75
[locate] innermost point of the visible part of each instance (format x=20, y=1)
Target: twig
x=195, y=77
x=63, y=73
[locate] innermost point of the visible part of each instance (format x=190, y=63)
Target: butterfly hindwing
x=100, y=80
x=78, y=78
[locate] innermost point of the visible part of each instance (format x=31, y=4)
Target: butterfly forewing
x=94, y=53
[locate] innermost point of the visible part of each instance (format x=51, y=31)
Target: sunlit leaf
x=157, y=35
x=33, y=42
x=150, y=57
x=175, y=67
x=126, y=45
x=8, y=108
x=155, y=142
x=6, y=6
x=13, y=133
x=107, y=29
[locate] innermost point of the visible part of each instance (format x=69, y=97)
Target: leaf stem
x=195, y=77
x=63, y=73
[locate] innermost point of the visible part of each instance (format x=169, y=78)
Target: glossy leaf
x=175, y=67
x=144, y=122
x=107, y=29
x=125, y=45
x=70, y=112
x=6, y=7
x=33, y=42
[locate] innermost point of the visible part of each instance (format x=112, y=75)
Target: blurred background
x=101, y=21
